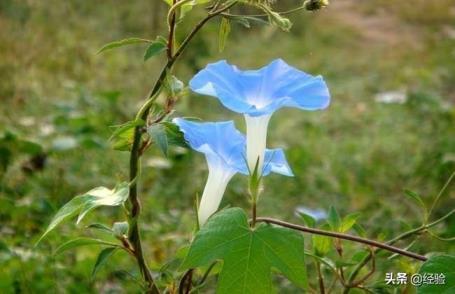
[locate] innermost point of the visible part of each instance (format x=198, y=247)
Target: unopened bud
x=120, y=229
x=276, y=19
x=313, y=5
x=281, y=22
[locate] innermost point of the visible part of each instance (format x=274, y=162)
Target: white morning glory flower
x=224, y=148
x=258, y=94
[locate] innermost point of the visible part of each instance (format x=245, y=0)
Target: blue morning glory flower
x=224, y=149
x=258, y=94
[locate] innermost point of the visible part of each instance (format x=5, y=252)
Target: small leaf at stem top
x=348, y=222
x=156, y=47
x=124, y=42
x=334, y=219
x=225, y=29
x=418, y=200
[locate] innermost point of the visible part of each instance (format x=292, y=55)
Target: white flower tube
x=256, y=139
x=224, y=149
x=213, y=192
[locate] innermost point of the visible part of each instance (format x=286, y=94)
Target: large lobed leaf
x=248, y=254
x=82, y=204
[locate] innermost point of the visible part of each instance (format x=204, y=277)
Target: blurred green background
x=390, y=66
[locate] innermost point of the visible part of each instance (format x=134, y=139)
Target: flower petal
x=221, y=142
x=225, y=147
x=221, y=80
x=275, y=161
x=263, y=91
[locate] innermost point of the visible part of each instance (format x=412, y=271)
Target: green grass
x=358, y=155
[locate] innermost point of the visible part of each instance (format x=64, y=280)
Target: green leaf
x=329, y=263
x=28, y=147
x=417, y=199
x=82, y=204
x=80, y=242
x=248, y=254
x=102, y=259
x=185, y=8
x=434, y=267
x=349, y=221
x=102, y=196
x=307, y=219
x=100, y=227
x=165, y=134
x=359, y=230
x=124, y=42
x=156, y=47
x=69, y=210
x=158, y=135
x=334, y=219
x=225, y=29
x=344, y=263
x=359, y=256
x=174, y=135
x=321, y=244
x=122, y=137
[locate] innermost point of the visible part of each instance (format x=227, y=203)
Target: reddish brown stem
x=342, y=236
